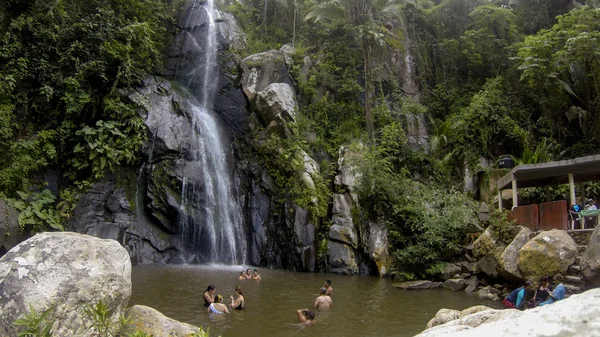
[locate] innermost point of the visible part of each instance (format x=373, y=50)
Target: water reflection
x=362, y=305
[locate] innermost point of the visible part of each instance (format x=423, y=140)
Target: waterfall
x=211, y=220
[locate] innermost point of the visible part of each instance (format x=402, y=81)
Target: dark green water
x=362, y=305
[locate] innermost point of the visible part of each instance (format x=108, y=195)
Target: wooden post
x=500, y=200
x=514, y=192
x=571, y=190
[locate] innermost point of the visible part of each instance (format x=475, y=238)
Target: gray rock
x=260, y=70
x=10, y=235
x=343, y=234
x=349, y=172
x=443, y=316
x=472, y=284
x=342, y=258
x=306, y=232
x=378, y=247
x=487, y=265
x=548, y=253
x=65, y=272
x=455, y=284
x=419, y=284
x=231, y=31
x=590, y=261
x=277, y=102
x=342, y=210
x=449, y=271
x=509, y=268
x=153, y=323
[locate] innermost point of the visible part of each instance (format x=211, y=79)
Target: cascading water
x=211, y=222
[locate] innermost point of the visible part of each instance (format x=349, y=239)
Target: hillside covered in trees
x=488, y=78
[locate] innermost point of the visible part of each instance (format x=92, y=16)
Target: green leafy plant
x=102, y=324
x=503, y=227
x=38, y=211
x=34, y=324
x=200, y=333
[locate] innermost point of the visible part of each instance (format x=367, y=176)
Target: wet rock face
x=65, y=272
x=153, y=323
x=10, y=234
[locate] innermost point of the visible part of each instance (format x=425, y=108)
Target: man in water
x=329, y=288
x=323, y=301
x=305, y=316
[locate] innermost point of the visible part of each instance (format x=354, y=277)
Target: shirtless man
x=329, y=288
x=323, y=301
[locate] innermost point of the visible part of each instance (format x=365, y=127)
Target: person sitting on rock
x=542, y=293
x=556, y=295
x=517, y=298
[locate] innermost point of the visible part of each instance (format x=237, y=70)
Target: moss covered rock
x=548, y=253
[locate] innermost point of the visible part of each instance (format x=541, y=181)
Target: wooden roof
x=553, y=173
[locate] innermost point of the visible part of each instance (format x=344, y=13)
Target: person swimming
x=217, y=307
x=327, y=285
x=242, y=275
x=239, y=302
x=256, y=276
x=248, y=274
x=209, y=295
x=305, y=316
x=323, y=301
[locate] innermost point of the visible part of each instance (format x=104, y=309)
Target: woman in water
x=248, y=274
x=217, y=307
x=239, y=302
x=242, y=276
x=256, y=276
x=209, y=295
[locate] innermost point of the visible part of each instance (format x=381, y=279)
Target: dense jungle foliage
x=62, y=66
x=516, y=78
x=494, y=78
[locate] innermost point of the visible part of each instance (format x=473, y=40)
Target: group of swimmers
x=322, y=302
x=528, y=296
x=213, y=301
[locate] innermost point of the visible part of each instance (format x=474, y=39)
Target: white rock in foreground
x=579, y=315
x=67, y=272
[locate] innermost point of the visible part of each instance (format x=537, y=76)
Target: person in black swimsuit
x=240, y=301
x=543, y=290
x=209, y=295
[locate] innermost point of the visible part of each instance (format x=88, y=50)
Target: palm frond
x=327, y=10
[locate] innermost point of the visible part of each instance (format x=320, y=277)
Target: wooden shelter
x=569, y=171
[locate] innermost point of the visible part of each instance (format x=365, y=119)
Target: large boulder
x=548, y=253
x=277, y=102
x=556, y=320
x=509, y=268
x=486, y=243
x=342, y=258
x=449, y=271
x=260, y=70
x=590, y=261
x=153, y=323
x=348, y=173
x=443, y=316
x=65, y=272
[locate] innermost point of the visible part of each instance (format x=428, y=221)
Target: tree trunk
x=367, y=75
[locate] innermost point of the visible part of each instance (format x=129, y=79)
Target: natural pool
x=362, y=305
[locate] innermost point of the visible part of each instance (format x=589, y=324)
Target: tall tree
x=368, y=20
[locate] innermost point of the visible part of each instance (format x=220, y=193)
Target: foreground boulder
x=579, y=315
x=548, y=253
x=65, y=272
x=153, y=323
